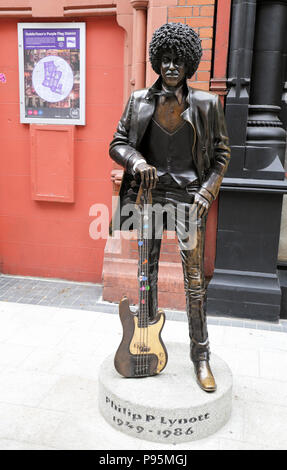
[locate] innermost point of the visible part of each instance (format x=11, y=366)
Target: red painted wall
x=51, y=239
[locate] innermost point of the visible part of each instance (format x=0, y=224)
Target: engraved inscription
x=164, y=426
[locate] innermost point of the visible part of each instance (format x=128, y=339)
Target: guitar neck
x=143, y=267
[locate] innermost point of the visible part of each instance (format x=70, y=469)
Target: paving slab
x=49, y=362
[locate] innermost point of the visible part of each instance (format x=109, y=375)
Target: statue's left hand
x=202, y=205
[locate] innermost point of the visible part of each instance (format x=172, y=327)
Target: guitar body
x=141, y=352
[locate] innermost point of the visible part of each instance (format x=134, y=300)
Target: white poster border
x=38, y=120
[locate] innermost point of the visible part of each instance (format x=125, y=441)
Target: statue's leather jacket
x=210, y=151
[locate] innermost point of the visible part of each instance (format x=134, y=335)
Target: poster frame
x=81, y=120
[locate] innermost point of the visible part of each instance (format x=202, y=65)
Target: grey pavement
x=54, y=336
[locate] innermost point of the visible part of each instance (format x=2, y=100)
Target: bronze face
x=173, y=69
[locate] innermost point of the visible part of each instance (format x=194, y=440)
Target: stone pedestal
x=169, y=407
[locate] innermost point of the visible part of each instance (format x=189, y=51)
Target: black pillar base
x=245, y=281
x=244, y=294
x=282, y=273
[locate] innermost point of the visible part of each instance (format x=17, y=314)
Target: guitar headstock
x=144, y=197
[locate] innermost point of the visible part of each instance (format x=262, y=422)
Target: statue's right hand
x=147, y=174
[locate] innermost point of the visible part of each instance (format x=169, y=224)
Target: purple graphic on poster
x=52, y=79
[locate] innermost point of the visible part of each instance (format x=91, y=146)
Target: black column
x=265, y=132
x=245, y=282
x=283, y=111
x=239, y=76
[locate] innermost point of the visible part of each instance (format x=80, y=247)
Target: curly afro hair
x=180, y=38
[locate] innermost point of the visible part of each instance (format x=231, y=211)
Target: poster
x=52, y=73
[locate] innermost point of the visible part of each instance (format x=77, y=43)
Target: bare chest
x=168, y=114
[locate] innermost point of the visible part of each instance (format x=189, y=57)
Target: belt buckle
x=192, y=187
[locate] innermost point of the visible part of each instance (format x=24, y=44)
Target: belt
x=193, y=184
x=167, y=179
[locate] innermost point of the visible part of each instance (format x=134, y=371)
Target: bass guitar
x=141, y=352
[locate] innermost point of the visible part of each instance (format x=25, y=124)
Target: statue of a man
x=173, y=140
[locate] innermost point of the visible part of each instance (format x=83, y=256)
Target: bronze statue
x=172, y=140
